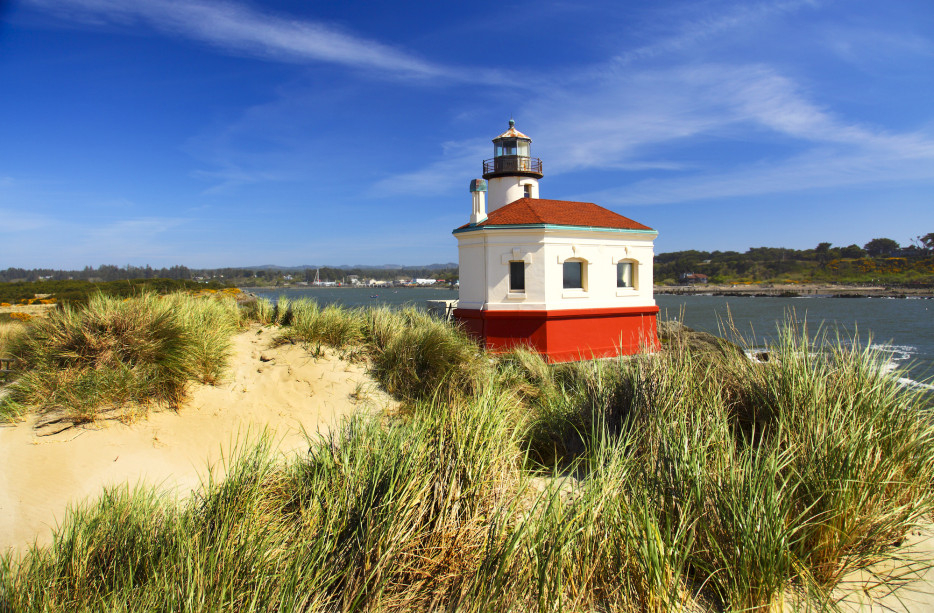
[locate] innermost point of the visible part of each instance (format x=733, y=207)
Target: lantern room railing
x=512, y=163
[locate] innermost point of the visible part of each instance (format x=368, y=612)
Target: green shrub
x=80, y=361
x=417, y=356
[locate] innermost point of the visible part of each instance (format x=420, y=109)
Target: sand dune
x=285, y=390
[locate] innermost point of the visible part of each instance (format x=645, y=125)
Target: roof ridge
x=545, y=211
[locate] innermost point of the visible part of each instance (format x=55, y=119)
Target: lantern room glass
x=512, y=146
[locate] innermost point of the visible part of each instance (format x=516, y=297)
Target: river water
x=903, y=329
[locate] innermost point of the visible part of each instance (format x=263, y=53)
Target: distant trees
x=823, y=253
x=881, y=246
x=852, y=252
x=927, y=241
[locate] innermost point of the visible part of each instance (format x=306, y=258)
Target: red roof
x=536, y=211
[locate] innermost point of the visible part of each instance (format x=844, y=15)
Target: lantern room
x=512, y=172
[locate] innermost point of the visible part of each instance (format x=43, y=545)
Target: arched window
x=626, y=274
x=575, y=274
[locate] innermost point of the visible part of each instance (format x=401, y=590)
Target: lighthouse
x=572, y=280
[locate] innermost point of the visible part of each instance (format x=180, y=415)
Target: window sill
x=626, y=291
x=515, y=295
x=574, y=293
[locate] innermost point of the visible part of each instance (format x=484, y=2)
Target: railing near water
x=442, y=309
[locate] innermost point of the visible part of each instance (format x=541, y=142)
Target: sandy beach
x=284, y=391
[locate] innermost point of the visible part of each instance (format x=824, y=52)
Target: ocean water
x=902, y=329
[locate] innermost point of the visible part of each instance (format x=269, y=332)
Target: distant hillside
x=881, y=261
x=261, y=275
x=447, y=266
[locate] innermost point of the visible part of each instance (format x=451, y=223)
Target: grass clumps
x=413, y=355
x=10, y=333
x=416, y=356
x=773, y=480
x=682, y=480
x=377, y=516
x=118, y=354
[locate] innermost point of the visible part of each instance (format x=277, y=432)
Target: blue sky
x=211, y=133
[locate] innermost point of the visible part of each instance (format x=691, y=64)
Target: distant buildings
x=692, y=278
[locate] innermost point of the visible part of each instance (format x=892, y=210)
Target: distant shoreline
x=795, y=290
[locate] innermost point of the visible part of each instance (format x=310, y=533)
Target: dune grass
x=413, y=355
x=113, y=353
x=667, y=482
x=10, y=332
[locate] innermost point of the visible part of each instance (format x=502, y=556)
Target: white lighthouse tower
x=573, y=280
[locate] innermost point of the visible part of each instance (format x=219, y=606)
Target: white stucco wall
x=503, y=190
x=472, y=269
x=485, y=254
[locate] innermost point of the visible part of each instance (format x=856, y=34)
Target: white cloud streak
x=692, y=32
x=459, y=159
x=241, y=29
x=646, y=119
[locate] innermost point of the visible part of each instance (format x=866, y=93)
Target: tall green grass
x=668, y=482
x=413, y=355
x=80, y=361
x=10, y=332
x=377, y=516
x=790, y=474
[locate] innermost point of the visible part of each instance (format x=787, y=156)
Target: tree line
x=230, y=276
x=879, y=259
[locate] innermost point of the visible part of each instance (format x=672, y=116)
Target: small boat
x=375, y=296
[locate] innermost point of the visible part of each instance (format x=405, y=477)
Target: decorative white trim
x=516, y=255
x=514, y=295
x=616, y=259
x=574, y=293
x=577, y=254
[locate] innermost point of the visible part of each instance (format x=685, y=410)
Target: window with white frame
x=575, y=274
x=517, y=276
x=625, y=274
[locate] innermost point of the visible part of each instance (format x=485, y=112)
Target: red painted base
x=567, y=335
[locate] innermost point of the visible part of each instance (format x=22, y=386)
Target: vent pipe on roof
x=478, y=191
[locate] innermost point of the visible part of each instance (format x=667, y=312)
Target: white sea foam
x=893, y=359
x=896, y=357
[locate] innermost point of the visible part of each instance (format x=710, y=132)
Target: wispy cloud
x=612, y=122
x=818, y=169
x=16, y=221
x=662, y=120
x=875, y=47
x=242, y=29
x=232, y=177
x=705, y=25
x=458, y=160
